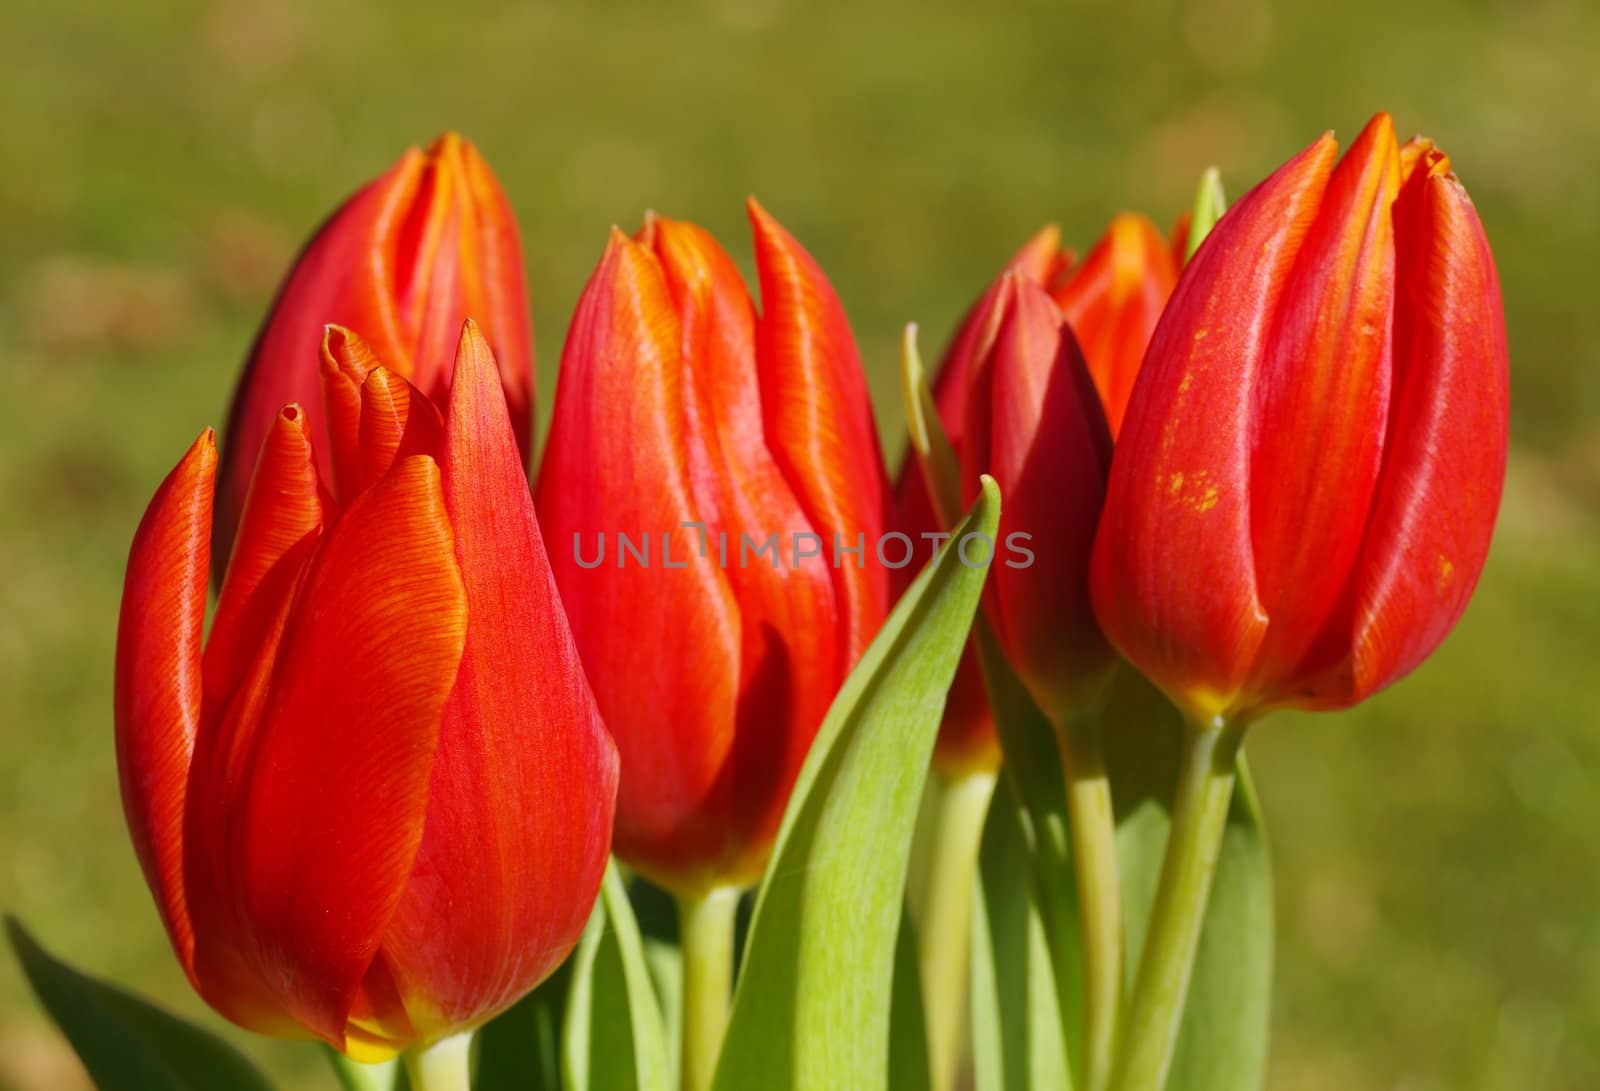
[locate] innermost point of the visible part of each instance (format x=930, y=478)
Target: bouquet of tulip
x=968, y=747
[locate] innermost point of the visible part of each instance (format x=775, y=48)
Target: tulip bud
x=706, y=466
x=403, y=263
x=1034, y=423
x=1311, y=464
x=374, y=804
x=1112, y=301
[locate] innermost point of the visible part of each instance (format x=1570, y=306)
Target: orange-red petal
x=1173, y=573
x=322, y=812
x=1113, y=300
x=158, y=676
x=1321, y=404
x=524, y=784
x=662, y=643
x=789, y=643
x=1443, y=469
x=396, y=421
x=283, y=518
x=819, y=421
x=1035, y=425
x=410, y=256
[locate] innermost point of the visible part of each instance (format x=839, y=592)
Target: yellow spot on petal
x=1194, y=491
x=1447, y=572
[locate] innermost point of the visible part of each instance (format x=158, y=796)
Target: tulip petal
x=789, y=657
x=396, y=421
x=967, y=740
x=346, y=362
x=1036, y=426
x=321, y=798
x=819, y=422
x=1113, y=301
x=158, y=677
x=1444, y=465
x=520, y=807
x=662, y=642
x=283, y=518
x=339, y=277
x=497, y=289
x=404, y=261
x=1173, y=572
x=1322, y=404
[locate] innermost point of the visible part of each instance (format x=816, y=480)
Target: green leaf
x=614, y=1039
x=1032, y=773
x=1209, y=205
x=908, y=1027
x=930, y=445
x=1223, y=1043
x=520, y=1050
x=666, y=973
x=1017, y=1040
x=812, y=1007
x=127, y=1043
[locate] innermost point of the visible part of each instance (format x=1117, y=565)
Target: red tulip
x=404, y=262
x=1034, y=423
x=688, y=422
x=374, y=804
x=1111, y=301
x=1310, y=467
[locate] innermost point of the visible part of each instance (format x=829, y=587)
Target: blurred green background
x=1439, y=880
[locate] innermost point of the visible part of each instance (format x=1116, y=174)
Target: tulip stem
x=1199, y=817
x=444, y=1066
x=706, y=933
x=356, y=1076
x=944, y=918
x=1092, y=827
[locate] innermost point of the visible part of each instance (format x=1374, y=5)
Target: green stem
x=1092, y=826
x=355, y=1076
x=944, y=924
x=705, y=929
x=1199, y=817
x=444, y=1066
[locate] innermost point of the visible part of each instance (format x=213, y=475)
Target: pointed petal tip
x=448, y=144
x=648, y=229
x=617, y=241
x=764, y=223
x=473, y=353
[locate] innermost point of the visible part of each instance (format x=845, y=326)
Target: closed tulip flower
x=1304, y=487
x=686, y=421
x=1311, y=464
x=1111, y=300
x=1034, y=423
x=403, y=263
x=374, y=802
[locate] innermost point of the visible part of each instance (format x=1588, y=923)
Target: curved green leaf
x=1017, y=1041
x=812, y=1007
x=614, y=1039
x=908, y=1026
x=127, y=1043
